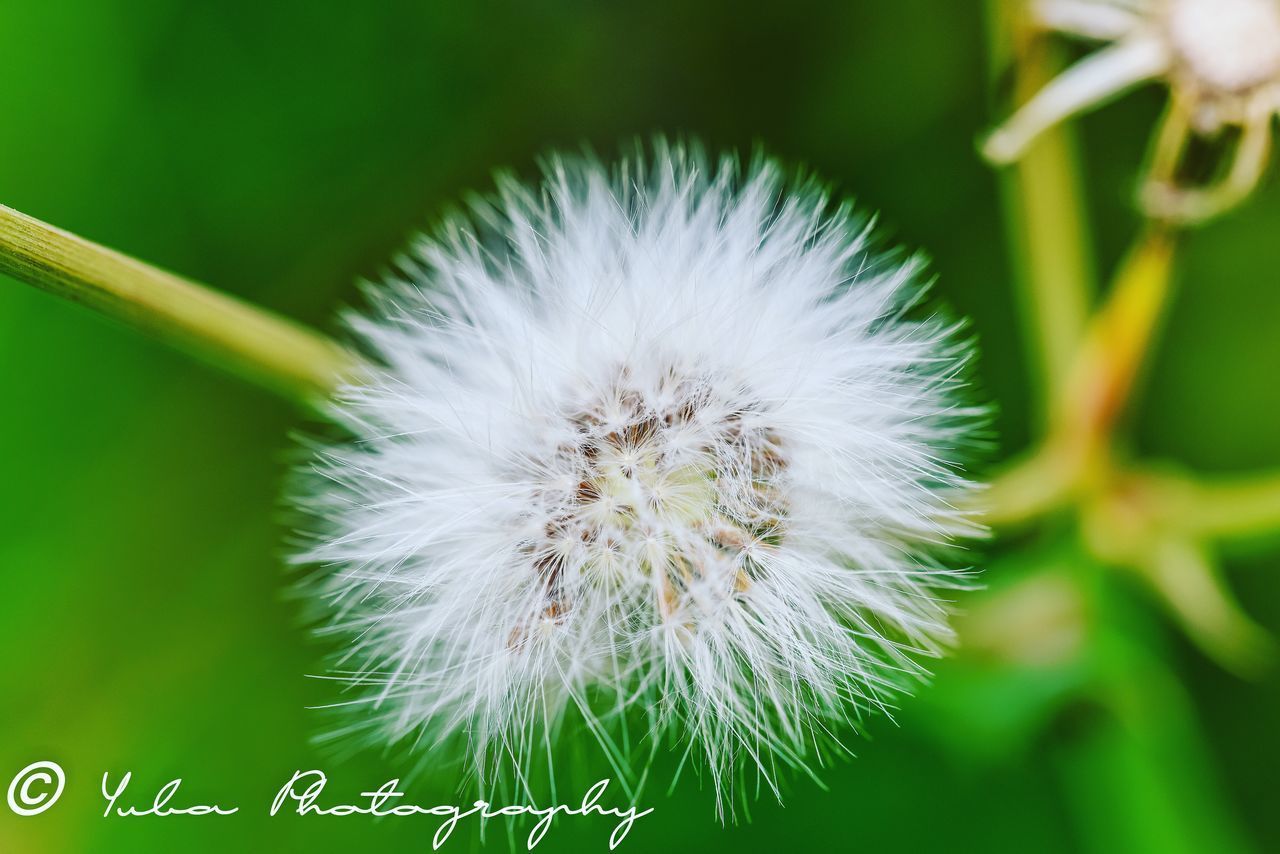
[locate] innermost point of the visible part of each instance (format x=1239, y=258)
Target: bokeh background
x=284, y=150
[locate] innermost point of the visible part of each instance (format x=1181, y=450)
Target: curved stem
x=1184, y=575
x=278, y=353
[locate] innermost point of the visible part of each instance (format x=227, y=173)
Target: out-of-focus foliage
x=281, y=151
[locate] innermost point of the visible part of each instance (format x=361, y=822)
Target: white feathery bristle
x=665, y=437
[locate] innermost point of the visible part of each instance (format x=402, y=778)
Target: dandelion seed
x=659, y=438
x=1220, y=58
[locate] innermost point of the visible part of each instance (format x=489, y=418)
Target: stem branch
x=1239, y=508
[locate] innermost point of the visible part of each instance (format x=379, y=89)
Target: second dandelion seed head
x=1224, y=49
x=1221, y=61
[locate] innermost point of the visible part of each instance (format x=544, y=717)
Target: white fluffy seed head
x=1226, y=46
x=662, y=437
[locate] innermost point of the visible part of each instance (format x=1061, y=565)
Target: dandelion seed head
x=1225, y=46
x=671, y=437
x=1221, y=61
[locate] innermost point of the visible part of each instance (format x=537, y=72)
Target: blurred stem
x=1137, y=772
x=1183, y=573
x=1035, y=484
x=1140, y=522
x=252, y=342
x=1232, y=508
x=1096, y=389
x=1044, y=210
x=1118, y=340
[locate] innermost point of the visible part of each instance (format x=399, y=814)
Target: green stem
x=1185, y=576
x=1240, y=508
x=1095, y=390
x=252, y=342
x=1044, y=212
x=1118, y=342
x=1138, y=773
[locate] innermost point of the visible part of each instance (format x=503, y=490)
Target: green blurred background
x=283, y=150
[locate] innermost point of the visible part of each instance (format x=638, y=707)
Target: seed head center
x=679, y=478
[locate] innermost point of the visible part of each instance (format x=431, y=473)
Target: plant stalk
x=273, y=351
x=1233, y=508
x=1118, y=341
x=1044, y=205
x=1096, y=389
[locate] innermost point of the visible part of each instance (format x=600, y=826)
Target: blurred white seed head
x=1220, y=59
x=658, y=438
x=1225, y=50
